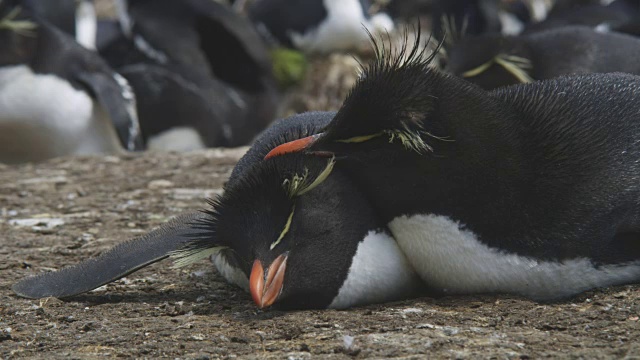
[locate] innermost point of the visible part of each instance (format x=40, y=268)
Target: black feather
x=393, y=92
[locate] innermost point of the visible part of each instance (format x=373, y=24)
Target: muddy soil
x=60, y=212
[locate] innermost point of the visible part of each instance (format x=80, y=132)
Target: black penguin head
x=391, y=104
x=490, y=60
x=293, y=225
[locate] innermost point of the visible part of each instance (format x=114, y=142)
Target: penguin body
x=528, y=189
x=170, y=48
x=491, y=61
x=57, y=98
x=318, y=26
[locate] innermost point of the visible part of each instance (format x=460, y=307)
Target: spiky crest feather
x=392, y=96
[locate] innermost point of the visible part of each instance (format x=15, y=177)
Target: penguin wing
x=113, y=92
x=115, y=263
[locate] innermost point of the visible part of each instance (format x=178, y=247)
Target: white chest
x=452, y=259
x=379, y=272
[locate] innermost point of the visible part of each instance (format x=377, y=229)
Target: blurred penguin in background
x=494, y=60
x=604, y=16
x=56, y=97
x=457, y=18
x=453, y=19
x=202, y=74
x=77, y=18
x=318, y=26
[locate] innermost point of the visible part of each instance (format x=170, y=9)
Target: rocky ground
x=60, y=212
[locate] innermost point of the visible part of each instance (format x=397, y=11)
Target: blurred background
x=81, y=77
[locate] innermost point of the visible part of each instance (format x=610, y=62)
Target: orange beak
x=293, y=146
x=266, y=287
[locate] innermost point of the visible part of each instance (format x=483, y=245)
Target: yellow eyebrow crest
x=322, y=177
x=284, y=232
x=22, y=27
x=479, y=70
x=515, y=65
x=359, y=139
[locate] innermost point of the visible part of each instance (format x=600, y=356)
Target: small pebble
x=159, y=184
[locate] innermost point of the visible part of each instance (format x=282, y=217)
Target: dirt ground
x=60, y=212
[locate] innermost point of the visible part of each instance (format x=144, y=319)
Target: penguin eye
x=284, y=232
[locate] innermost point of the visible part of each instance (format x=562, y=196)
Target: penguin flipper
x=113, y=264
x=118, y=99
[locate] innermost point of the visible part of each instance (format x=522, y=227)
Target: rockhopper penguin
x=291, y=230
x=530, y=189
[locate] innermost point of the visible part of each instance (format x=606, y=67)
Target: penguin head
x=392, y=106
x=491, y=60
x=293, y=225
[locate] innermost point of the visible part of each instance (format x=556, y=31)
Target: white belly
x=451, y=258
x=42, y=116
